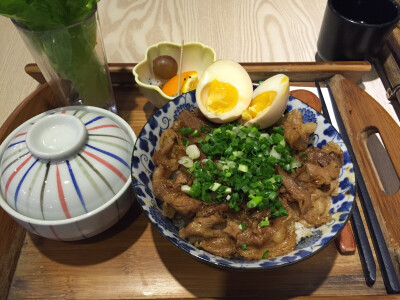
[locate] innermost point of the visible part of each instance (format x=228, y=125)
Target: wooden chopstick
x=388, y=272
x=364, y=248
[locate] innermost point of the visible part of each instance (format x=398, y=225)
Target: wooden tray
x=132, y=260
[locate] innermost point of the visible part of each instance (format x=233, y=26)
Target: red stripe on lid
x=21, y=134
x=15, y=173
x=108, y=165
x=61, y=195
x=103, y=126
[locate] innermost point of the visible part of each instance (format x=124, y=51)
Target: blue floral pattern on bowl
x=143, y=167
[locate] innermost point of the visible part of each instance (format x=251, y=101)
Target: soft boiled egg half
x=268, y=103
x=224, y=91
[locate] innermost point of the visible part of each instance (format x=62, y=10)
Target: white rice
x=301, y=231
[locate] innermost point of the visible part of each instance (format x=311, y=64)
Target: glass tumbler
x=73, y=62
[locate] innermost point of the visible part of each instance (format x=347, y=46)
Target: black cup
x=356, y=29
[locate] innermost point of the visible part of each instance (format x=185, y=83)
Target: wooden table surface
x=245, y=31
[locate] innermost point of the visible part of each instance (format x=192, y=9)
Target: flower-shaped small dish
x=65, y=174
x=196, y=57
x=143, y=168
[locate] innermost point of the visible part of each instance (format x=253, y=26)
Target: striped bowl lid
x=65, y=162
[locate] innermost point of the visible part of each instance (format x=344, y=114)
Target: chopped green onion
x=243, y=168
x=186, y=130
x=303, y=156
x=185, y=188
x=215, y=186
x=296, y=164
x=283, y=212
x=280, y=212
x=274, y=153
x=255, y=200
x=195, y=133
x=279, y=130
x=185, y=142
x=264, y=223
x=205, y=128
x=231, y=164
x=193, y=152
x=186, y=161
x=237, y=153
x=242, y=226
x=242, y=160
x=265, y=135
x=244, y=246
x=265, y=254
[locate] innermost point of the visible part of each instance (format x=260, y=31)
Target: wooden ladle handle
x=363, y=115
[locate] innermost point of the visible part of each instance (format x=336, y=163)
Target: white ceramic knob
x=56, y=137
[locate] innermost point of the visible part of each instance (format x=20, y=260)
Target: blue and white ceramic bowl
x=143, y=167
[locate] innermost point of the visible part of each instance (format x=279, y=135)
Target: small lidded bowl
x=66, y=173
x=195, y=57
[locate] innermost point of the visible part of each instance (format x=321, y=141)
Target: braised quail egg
x=224, y=91
x=268, y=102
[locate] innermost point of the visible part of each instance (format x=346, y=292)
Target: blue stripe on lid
x=78, y=191
x=94, y=120
x=13, y=144
x=110, y=154
x=21, y=181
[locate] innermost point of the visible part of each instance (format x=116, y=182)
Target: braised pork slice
x=278, y=238
x=208, y=209
x=323, y=176
x=297, y=193
x=316, y=156
x=189, y=119
x=165, y=190
x=318, y=214
x=206, y=227
x=221, y=246
x=321, y=167
x=206, y=233
x=296, y=132
x=334, y=151
x=165, y=156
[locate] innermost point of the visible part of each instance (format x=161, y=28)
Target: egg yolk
x=222, y=97
x=259, y=104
